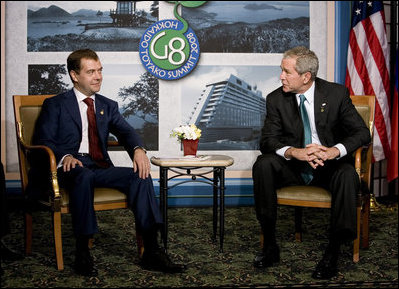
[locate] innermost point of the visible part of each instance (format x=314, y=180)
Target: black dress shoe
x=84, y=264
x=158, y=260
x=8, y=254
x=268, y=257
x=327, y=267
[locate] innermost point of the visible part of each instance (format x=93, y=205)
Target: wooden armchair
x=27, y=109
x=312, y=196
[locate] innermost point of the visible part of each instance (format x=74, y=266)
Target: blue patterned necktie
x=307, y=174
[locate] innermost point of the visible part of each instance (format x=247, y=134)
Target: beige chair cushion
x=304, y=193
x=101, y=195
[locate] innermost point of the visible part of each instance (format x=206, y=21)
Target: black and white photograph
x=250, y=26
x=101, y=25
x=228, y=103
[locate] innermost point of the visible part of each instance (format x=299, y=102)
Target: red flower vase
x=190, y=147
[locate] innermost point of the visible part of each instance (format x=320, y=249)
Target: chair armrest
x=113, y=143
x=363, y=157
x=52, y=162
x=358, y=160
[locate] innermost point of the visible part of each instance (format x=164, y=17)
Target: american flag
x=367, y=69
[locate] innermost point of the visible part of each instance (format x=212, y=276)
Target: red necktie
x=94, y=143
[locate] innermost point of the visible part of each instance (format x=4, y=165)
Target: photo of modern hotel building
x=230, y=114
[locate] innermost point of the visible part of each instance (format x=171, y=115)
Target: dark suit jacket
x=59, y=125
x=336, y=118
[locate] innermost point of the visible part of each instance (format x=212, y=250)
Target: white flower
x=186, y=132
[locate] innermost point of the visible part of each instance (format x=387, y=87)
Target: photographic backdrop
x=241, y=45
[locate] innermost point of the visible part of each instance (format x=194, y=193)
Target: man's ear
x=306, y=77
x=73, y=74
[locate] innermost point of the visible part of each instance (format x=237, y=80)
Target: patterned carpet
x=190, y=231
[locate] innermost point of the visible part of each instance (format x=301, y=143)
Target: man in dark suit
x=335, y=130
x=65, y=126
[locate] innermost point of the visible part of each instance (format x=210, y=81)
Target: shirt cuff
x=281, y=152
x=342, y=150
x=140, y=147
x=62, y=160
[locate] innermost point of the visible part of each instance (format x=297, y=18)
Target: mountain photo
x=71, y=25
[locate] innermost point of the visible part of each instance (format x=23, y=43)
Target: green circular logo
x=167, y=52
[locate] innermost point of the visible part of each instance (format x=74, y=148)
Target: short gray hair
x=306, y=60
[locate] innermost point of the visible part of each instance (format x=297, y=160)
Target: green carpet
x=190, y=232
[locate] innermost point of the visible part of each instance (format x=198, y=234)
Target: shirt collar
x=309, y=94
x=80, y=96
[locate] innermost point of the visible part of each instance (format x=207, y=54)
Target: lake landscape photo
x=250, y=26
x=71, y=25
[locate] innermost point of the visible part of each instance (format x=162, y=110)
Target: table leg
x=215, y=202
x=222, y=188
x=163, y=190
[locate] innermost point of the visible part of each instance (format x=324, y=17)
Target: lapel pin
x=102, y=112
x=323, y=105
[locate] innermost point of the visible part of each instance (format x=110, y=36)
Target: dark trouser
x=271, y=172
x=81, y=182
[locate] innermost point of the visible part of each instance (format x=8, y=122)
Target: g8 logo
x=169, y=49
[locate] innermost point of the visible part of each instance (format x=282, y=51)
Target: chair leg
x=261, y=239
x=298, y=224
x=91, y=243
x=28, y=233
x=140, y=245
x=356, y=242
x=58, y=240
x=365, y=221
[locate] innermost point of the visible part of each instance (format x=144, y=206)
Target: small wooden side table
x=190, y=167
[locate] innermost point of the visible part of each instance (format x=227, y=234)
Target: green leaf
x=191, y=4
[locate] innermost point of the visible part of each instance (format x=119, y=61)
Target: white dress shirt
x=84, y=144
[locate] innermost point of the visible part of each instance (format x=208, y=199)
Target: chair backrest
x=26, y=111
x=365, y=105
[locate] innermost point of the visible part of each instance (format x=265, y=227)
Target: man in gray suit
x=317, y=151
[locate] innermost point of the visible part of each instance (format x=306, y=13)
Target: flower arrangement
x=188, y=132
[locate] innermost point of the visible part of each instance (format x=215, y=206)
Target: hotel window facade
x=230, y=110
